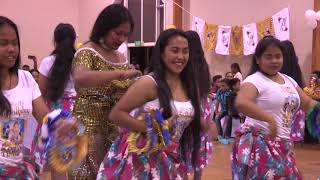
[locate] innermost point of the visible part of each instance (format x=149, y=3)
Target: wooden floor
x=307, y=157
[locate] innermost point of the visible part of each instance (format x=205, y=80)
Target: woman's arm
x=135, y=97
x=43, y=84
x=246, y=103
x=207, y=124
x=306, y=101
x=85, y=77
x=40, y=109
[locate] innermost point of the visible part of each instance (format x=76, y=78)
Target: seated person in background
x=229, y=75
x=35, y=74
x=26, y=67
x=236, y=71
x=232, y=112
x=222, y=95
x=215, y=85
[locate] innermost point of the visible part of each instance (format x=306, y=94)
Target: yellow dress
x=92, y=108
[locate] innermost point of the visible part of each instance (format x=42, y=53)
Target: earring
x=101, y=41
x=102, y=44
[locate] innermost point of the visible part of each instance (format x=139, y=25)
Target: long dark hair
x=165, y=96
x=5, y=106
x=201, y=68
x=109, y=18
x=64, y=38
x=291, y=64
x=263, y=44
x=236, y=66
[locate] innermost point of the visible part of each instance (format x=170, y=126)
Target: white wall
x=36, y=20
x=88, y=13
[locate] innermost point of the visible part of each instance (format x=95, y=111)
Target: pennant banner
x=199, y=26
x=250, y=38
x=210, y=36
x=223, y=40
x=236, y=41
x=281, y=24
x=265, y=28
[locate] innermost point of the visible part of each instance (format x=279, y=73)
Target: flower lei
x=157, y=136
x=312, y=121
x=62, y=140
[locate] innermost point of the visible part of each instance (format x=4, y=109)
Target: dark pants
x=218, y=118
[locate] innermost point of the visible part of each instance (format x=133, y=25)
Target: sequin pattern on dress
x=92, y=108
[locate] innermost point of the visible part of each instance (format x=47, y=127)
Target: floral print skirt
x=162, y=165
x=256, y=156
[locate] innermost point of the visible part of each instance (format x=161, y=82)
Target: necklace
x=104, y=46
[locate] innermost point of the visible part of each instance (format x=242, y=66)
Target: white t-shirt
x=239, y=76
x=281, y=100
x=16, y=129
x=45, y=68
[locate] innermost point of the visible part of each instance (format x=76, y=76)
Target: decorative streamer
x=62, y=142
x=236, y=41
x=199, y=26
x=265, y=28
x=156, y=138
x=250, y=38
x=277, y=25
x=223, y=40
x=210, y=36
x=281, y=24
x=313, y=122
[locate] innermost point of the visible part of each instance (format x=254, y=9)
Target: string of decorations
x=157, y=136
x=62, y=143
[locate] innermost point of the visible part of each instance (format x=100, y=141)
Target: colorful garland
x=62, y=140
x=312, y=121
x=156, y=138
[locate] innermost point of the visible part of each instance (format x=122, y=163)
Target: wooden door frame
x=177, y=14
x=316, y=42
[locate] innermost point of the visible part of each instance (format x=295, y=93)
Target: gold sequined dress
x=92, y=108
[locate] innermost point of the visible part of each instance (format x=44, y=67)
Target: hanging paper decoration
x=236, y=41
x=223, y=40
x=250, y=38
x=265, y=28
x=210, y=36
x=198, y=25
x=281, y=24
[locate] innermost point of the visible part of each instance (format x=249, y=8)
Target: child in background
x=236, y=71
x=232, y=111
x=229, y=75
x=222, y=96
x=215, y=84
